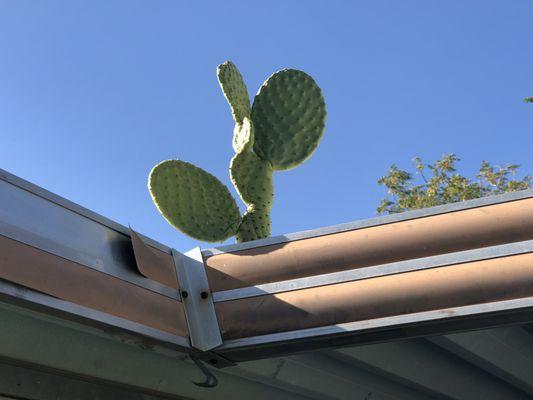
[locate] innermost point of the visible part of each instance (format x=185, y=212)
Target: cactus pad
x=194, y=201
x=280, y=131
x=234, y=90
x=255, y=225
x=252, y=178
x=289, y=115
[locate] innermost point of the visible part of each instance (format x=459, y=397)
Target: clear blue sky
x=94, y=93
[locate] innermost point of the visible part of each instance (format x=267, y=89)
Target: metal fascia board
x=197, y=299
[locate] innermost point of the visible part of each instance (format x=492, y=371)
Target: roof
x=53, y=348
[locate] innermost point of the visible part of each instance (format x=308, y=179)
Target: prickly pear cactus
x=289, y=115
x=194, y=201
x=280, y=131
x=234, y=90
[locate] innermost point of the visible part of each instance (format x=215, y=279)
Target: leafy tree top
x=439, y=183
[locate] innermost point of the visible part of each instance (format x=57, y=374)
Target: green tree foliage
x=439, y=183
x=528, y=99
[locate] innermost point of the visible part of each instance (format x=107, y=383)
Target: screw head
x=184, y=294
x=204, y=295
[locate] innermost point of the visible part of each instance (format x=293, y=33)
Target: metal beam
x=506, y=353
x=429, y=368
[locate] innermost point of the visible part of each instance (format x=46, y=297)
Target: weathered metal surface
x=64, y=279
x=40, y=219
x=410, y=292
x=376, y=271
x=388, y=329
x=408, y=239
x=440, y=270
x=153, y=263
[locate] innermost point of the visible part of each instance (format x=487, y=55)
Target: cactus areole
x=279, y=131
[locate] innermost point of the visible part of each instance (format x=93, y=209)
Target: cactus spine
x=280, y=131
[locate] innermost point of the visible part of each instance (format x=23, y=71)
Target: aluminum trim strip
x=197, y=300
x=397, y=320
x=54, y=248
x=365, y=223
x=376, y=271
x=69, y=205
x=43, y=223
x=12, y=293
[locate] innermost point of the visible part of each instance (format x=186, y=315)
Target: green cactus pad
x=234, y=90
x=243, y=136
x=255, y=225
x=289, y=115
x=194, y=201
x=252, y=178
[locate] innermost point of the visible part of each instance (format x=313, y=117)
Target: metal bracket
x=197, y=300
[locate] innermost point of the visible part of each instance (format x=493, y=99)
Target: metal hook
x=210, y=380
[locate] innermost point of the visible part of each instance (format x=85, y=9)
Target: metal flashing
x=197, y=300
